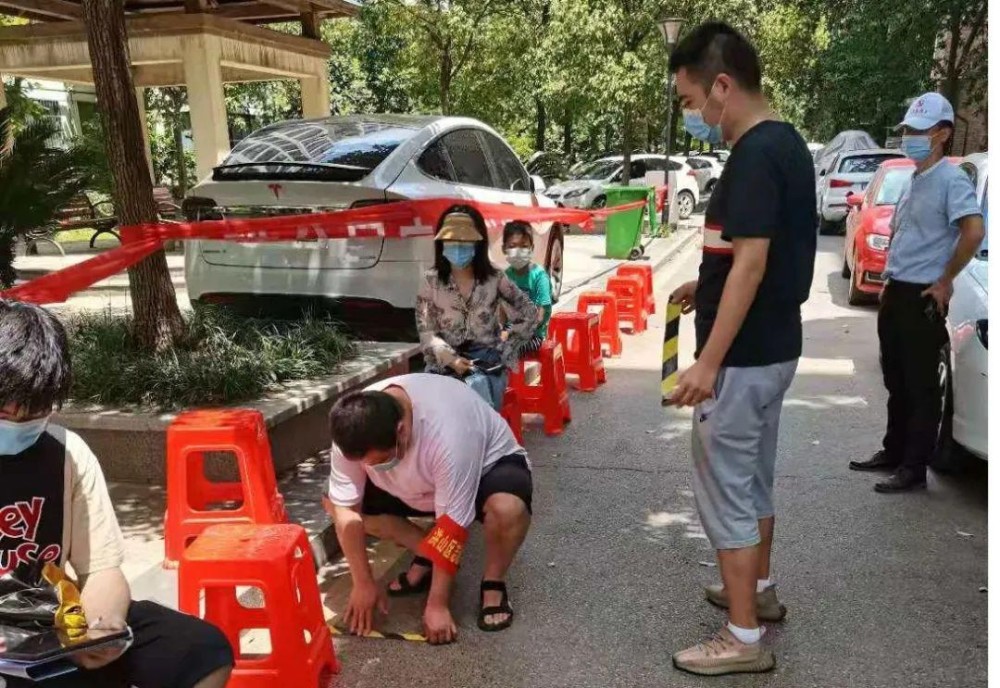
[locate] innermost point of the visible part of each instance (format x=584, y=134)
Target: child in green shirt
x=519, y=246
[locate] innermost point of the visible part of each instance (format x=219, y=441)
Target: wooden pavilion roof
x=253, y=11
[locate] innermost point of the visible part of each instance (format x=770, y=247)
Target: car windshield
x=322, y=150
x=599, y=169
x=892, y=187
x=861, y=164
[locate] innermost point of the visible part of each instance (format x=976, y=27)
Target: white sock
x=763, y=584
x=747, y=636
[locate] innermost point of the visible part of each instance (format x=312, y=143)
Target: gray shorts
x=734, y=444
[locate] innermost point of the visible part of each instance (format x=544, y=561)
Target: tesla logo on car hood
x=275, y=189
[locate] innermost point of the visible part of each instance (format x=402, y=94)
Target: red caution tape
x=397, y=220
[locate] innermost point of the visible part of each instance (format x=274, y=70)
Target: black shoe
x=879, y=462
x=903, y=480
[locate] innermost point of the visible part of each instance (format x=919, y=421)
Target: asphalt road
x=883, y=591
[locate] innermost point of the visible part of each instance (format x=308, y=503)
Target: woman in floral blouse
x=458, y=308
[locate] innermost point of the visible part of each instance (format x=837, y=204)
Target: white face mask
x=518, y=258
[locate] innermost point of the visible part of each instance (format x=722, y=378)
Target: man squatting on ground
x=426, y=446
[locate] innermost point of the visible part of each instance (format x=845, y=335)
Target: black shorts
x=509, y=475
x=170, y=650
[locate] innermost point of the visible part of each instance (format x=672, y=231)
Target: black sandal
x=422, y=586
x=502, y=608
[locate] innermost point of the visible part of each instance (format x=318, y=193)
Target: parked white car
x=334, y=163
x=707, y=171
x=963, y=367
x=848, y=173
x=586, y=188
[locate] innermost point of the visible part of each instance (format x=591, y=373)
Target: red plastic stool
x=276, y=559
x=580, y=338
x=646, y=273
x=611, y=336
x=630, y=292
x=549, y=397
x=190, y=493
x=511, y=412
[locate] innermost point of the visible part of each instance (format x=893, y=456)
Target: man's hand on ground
x=684, y=295
x=95, y=659
x=438, y=625
x=365, y=599
x=695, y=385
x=941, y=291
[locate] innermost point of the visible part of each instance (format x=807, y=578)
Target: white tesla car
x=963, y=366
x=585, y=189
x=304, y=166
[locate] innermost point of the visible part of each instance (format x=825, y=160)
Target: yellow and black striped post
x=671, y=333
x=411, y=637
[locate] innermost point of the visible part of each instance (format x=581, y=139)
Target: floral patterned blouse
x=446, y=319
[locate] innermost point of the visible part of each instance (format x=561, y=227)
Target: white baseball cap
x=928, y=110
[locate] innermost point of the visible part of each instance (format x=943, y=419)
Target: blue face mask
x=459, y=254
x=695, y=124
x=917, y=147
x=16, y=437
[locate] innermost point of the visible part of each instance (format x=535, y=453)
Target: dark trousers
x=911, y=335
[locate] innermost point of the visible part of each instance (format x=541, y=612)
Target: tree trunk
x=7, y=272
x=444, y=83
x=158, y=322
x=541, y=124
x=607, y=139
x=950, y=84
x=627, y=146
x=568, y=136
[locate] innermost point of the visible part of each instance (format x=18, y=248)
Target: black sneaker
x=880, y=461
x=903, y=480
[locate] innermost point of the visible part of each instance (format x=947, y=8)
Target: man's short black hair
x=35, y=368
x=518, y=228
x=363, y=421
x=714, y=48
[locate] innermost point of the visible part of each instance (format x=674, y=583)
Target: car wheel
x=827, y=228
x=945, y=459
x=845, y=271
x=554, y=263
x=685, y=204
x=599, y=202
x=856, y=297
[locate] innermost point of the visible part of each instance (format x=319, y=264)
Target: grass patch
x=67, y=236
x=224, y=360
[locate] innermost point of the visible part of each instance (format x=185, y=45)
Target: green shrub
x=225, y=359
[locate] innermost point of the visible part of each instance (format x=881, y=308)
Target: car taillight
x=840, y=183
x=197, y=208
x=982, y=330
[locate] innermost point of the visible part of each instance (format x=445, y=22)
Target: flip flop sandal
x=503, y=608
x=423, y=585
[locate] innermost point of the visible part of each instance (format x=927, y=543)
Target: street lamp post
x=670, y=28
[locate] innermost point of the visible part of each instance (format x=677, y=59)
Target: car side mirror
x=537, y=183
x=855, y=200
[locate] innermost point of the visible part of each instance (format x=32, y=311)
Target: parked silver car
x=849, y=172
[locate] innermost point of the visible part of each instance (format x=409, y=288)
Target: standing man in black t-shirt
x=756, y=270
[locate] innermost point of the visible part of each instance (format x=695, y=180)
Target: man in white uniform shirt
x=426, y=445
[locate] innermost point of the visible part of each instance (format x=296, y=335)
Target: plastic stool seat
x=277, y=560
x=190, y=494
x=579, y=336
x=610, y=331
x=630, y=292
x=550, y=396
x=511, y=412
x=645, y=271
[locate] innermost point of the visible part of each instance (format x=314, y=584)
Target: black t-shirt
x=766, y=191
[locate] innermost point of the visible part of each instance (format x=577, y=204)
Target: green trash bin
x=624, y=230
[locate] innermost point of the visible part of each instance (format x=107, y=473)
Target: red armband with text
x=444, y=544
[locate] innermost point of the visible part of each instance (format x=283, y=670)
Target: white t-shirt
x=456, y=438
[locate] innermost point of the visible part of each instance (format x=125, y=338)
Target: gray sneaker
x=768, y=606
x=724, y=654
